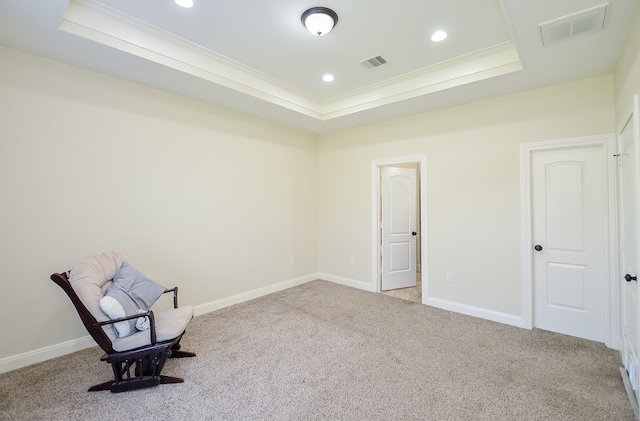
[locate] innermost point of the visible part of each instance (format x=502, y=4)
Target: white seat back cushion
x=91, y=277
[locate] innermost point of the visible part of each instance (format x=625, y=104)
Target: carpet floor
x=322, y=351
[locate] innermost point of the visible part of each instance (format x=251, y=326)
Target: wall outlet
x=449, y=277
x=292, y=260
x=352, y=260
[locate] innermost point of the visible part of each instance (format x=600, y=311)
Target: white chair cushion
x=169, y=324
x=91, y=277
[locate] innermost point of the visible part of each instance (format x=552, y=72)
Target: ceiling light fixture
x=184, y=3
x=328, y=77
x=319, y=20
x=438, y=36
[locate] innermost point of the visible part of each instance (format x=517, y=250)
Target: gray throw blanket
x=134, y=291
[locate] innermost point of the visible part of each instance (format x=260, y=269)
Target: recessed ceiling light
x=184, y=3
x=438, y=36
x=328, y=78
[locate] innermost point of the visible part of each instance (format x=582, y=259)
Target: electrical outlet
x=449, y=277
x=352, y=260
x=292, y=260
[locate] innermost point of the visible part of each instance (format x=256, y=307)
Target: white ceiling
x=256, y=56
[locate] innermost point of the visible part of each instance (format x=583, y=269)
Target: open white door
x=399, y=191
x=629, y=173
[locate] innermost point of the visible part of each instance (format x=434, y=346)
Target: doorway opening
x=399, y=237
x=408, y=293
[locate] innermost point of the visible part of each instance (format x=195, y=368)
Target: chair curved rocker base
x=182, y=354
x=140, y=368
x=135, y=383
x=176, y=353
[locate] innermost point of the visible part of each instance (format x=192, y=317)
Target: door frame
x=376, y=166
x=611, y=305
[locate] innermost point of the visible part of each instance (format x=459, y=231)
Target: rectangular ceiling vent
x=373, y=62
x=570, y=26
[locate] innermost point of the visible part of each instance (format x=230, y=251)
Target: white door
x=398, y=228
x=568, y=216
x=628, y=176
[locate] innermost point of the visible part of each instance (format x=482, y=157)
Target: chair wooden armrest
x=175, y=295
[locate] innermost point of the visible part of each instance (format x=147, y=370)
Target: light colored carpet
x=322, y=351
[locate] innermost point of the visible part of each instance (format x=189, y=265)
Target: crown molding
x=483, y=64
x=95, y=21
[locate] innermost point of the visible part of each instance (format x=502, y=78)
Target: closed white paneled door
x=568, y=217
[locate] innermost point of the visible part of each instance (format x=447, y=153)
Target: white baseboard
x=479, y=312
x=250, y=295
x=482, y=313
x=38, y=355
x=347, y=282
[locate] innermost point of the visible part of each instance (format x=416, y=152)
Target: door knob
x=414, y=233
x=630, y=278
x=538, y=247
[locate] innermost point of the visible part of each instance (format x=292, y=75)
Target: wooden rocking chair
x=138, y=359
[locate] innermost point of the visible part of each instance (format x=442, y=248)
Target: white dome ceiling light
x=184, y=3
x=319, y=20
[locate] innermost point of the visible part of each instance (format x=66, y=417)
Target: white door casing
x=399, y=235
x=629, y=174
x=609, y=291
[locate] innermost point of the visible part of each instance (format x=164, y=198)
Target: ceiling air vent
x=373, y=62
x=570, y=26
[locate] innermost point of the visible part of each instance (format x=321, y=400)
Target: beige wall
x=473, y=186
x=207, y=199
